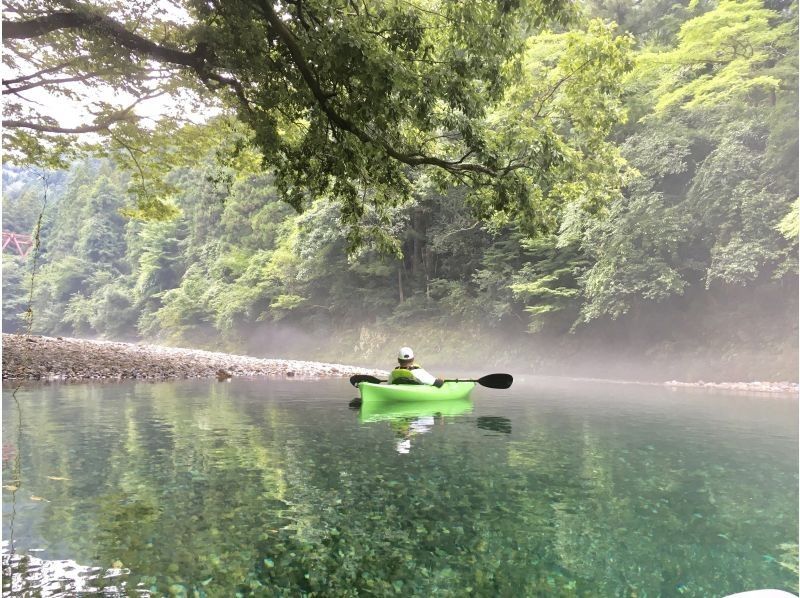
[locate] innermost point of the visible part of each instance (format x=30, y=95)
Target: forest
x=603, y=189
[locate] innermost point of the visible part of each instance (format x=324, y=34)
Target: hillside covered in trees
x=614, y=194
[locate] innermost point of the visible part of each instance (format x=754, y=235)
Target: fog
x=741, y=342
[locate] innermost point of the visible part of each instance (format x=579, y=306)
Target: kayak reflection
x=389, y=410
x=409, y=419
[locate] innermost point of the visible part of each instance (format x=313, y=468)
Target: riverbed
x=276, y=487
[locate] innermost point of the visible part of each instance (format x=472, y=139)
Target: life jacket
x=404, y=374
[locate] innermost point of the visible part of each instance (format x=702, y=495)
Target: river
x=278, y=488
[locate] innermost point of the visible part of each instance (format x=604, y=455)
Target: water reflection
x=388, y=410
x=29, y=575
x=494, y=423
x=276, y=488
x=412, y=418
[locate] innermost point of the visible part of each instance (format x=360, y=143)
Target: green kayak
x=414, y=392
x=373, y=411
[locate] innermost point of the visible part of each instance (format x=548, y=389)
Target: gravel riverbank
x=71, y=359
x=749, y=387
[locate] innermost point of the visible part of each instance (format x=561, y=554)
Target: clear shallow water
x=278, y=488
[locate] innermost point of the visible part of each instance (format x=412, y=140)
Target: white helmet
x=405, y=353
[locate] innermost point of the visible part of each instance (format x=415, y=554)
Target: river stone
x=79, y=359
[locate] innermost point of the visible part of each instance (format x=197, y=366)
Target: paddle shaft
x=490, y=381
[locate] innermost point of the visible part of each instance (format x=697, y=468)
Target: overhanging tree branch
x=322, y=99
x=100, y=126
x=103, y=26
x=46, y=24
x=41, y=73
x=43, y=82
x=43, y=128
x=203, y=63
x=199, y=60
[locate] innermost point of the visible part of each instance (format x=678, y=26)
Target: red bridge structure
x=22, y=244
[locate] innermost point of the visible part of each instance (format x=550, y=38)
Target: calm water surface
x=277, y=488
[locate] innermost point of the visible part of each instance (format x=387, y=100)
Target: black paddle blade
x=496, y=381
x=359, y=378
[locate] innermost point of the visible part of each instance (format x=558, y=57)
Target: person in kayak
x=409, y=372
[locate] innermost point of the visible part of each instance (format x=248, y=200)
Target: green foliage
x=649, y=21
x=16, y=291
x=578, y=177
x=185, y=312
x=789, y=226
x=341, y=103
x=723, y=54
x=635, y=253
x=718, y=166
x=559, y=113
x=548, y=282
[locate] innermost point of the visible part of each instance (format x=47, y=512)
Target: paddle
x=490, y=381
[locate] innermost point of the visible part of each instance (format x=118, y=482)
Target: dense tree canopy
x=342, y=97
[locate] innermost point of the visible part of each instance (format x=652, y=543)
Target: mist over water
x=748, y=345
x=730, y=338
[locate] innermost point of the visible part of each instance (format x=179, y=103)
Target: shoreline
x=754, y=387
x=786, y=388
x=64, y=359
x=67, y=359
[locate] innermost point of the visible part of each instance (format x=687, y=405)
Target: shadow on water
x=494, y=424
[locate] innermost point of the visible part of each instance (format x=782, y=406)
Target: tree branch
x=460, y=230
x=197, y=60
x=301, y=63
x=21, y=124
x=202, y=62
x=47, y=24
x=33, y=84
x=40, y=73
x=103, y=125
x=103, y=26
x=558, y=84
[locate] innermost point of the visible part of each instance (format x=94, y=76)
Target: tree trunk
x=400, y=281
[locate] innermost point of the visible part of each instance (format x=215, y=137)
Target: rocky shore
x=72, y=359
x=749, y=387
